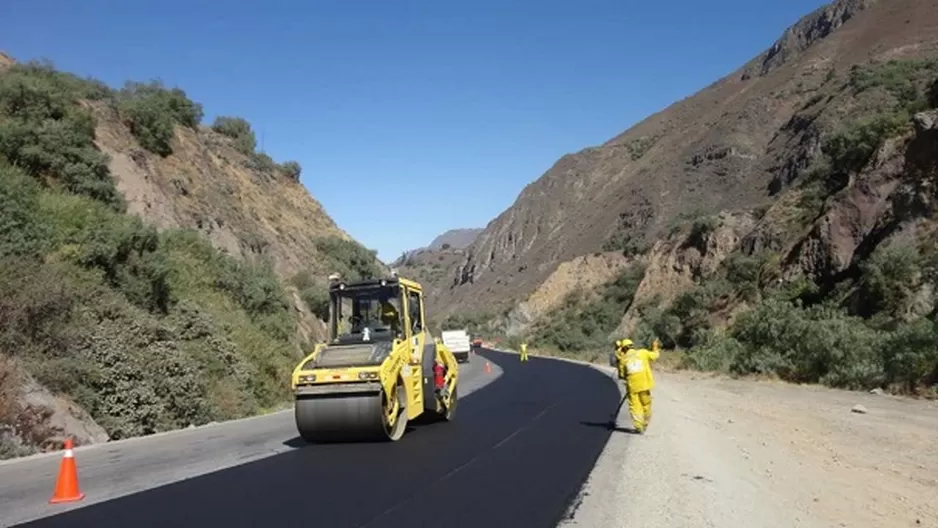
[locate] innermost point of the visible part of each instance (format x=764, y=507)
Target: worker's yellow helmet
x=624, y=343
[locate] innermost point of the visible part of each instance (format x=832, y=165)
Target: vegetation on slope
x=346, y=257
x=145, y=330
x=585, y=319
x=875, y=325
x=474, y=323
x=863, y=329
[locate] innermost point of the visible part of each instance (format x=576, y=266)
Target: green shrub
x=261, y=162
x=889, y=281
x=851, y=148
x=317, y=299
x=817, y=344
x=714, y=352
x=749, y=274
x=584, y=320
x=238, y=129
x=822, y=344
x=900, y=78
x=152, y=113
x=314, y=294
x=474, y=323
x=252, y=287
x=349, y=258
x=61, y=82
x=911, y=355
x=687, y=318
x=629, y=246
x=291, y=169
x=22, y=232
x=123, y=249
x=44, y=132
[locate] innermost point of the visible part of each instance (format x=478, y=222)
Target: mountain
x=428, y=264
x=455, y=239
x=811, y=166
x=452, y=239
x=155, y=272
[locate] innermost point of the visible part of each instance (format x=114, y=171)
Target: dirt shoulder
x=723, y=452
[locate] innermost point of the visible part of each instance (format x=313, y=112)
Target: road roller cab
x=380, y=368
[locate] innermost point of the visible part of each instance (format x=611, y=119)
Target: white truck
x=457, y=341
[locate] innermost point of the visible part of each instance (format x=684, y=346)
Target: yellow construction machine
x=379, y=370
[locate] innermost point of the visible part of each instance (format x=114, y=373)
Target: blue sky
x=459, y=104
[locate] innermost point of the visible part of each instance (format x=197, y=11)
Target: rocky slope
x=737, y=145
x=240, y=202
x=455, y=239
x=135, y=239
x=450, y=241
x=429, y=264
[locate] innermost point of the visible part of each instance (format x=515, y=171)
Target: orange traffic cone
x=488, y=367
x=66, y=486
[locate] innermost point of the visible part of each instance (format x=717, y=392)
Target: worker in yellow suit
x=634, y=366
x=524, y=351
x=389, y=316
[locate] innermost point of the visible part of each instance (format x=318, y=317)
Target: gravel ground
x=730, y=453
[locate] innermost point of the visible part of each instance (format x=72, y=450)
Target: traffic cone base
x=66, y=485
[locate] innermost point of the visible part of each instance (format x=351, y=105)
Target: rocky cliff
x=780, y=222
x=738, y=146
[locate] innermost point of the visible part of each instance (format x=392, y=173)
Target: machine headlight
x=367, y=375
x=308, y=378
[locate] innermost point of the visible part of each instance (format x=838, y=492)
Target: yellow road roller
x=380, y=368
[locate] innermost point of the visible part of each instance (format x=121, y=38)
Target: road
x=517, y=453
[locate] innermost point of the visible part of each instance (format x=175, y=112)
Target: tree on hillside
x=238, y=129
x=291, y=169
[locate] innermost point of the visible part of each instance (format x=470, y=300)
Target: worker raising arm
x=634, y=366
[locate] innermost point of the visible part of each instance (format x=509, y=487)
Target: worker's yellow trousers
x=640, y=409
x=524, y=356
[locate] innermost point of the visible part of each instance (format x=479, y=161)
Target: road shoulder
x=723, y=452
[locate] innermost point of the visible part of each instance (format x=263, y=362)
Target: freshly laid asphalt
x=516, y=454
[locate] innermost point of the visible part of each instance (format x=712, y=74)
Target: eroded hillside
x=731, y=146
x=154, y=272
x=429, y=265
x=779, y=221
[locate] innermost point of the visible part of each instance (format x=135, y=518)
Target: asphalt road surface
x=516, y=455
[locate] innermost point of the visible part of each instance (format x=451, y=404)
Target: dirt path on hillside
x=732, y=453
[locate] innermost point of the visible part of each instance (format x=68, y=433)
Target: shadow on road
x=510, y=457
x=296, y=442
x=607, y=426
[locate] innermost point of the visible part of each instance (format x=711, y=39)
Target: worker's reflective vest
x=635, y=368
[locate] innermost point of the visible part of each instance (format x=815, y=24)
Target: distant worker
x=389, y=316
x=634, y=366
x=524, y=351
